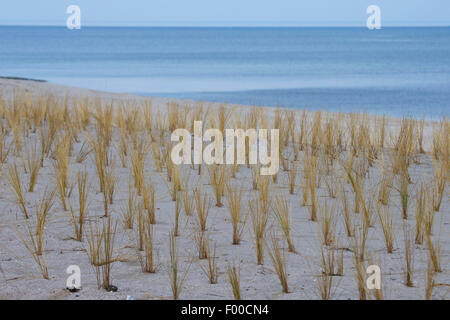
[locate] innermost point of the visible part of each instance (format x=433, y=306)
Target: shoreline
x=22, y=79
x=161, y=103
x=26, y=83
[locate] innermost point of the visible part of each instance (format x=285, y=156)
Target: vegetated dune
x=87, y=180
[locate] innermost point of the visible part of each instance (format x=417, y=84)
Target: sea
x=397, y=71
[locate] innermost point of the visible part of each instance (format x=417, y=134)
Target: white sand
x=20, y=278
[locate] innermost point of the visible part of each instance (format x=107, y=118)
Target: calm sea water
x=397, y=71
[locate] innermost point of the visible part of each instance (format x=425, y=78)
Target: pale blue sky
x=225, y=12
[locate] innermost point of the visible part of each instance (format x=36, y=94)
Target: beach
x=347, y=149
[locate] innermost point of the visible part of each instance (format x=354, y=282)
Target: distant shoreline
x=74, y=91
x=23, y=79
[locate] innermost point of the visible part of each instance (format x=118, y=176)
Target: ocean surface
x=394, y=71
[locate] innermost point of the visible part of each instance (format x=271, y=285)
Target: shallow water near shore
x=393, y=71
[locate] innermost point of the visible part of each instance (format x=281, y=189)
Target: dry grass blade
x=217, y=178
x=421, y=206
x=176, y=182
x=331, y=264
x=325, y=286
x=138, y=156
x=148, y=198
x=177, y=216
x=147, y=258
x=42, y=211
x=404, y=195
x=311, y=176
x=430, y=283
x=78, y=221
x=434, y=252
x=202, y=243
x=292, y=175
x=264, y=194
x=110, y=184
x=33, y=165
x=234, y=199
x=176, y=279
x=360, y=275
x=129, y=211
x=140, y=227
x=83, y=153
x=281, y=211
x=387, y=226
x=61, y=165
x=440, y=170
x=279, y=262
x=211, y=269
x=188, y=203
x=4, y=148
x=31, y=244
x=100, y=250
x=202, y=205
x=14, y=180
x=346, y=213
x=409, y=256
x=100, y=148
x=360, y=238
x=259, y=223
x=234, y=277
x=386, y=184
x=327, y=224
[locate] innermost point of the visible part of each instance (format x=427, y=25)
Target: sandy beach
x=315, y=240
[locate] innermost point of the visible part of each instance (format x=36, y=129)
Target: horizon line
x=229, y=25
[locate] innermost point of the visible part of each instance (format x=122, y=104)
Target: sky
x=226, y=12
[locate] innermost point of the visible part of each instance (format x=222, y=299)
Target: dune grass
x=355, y=179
